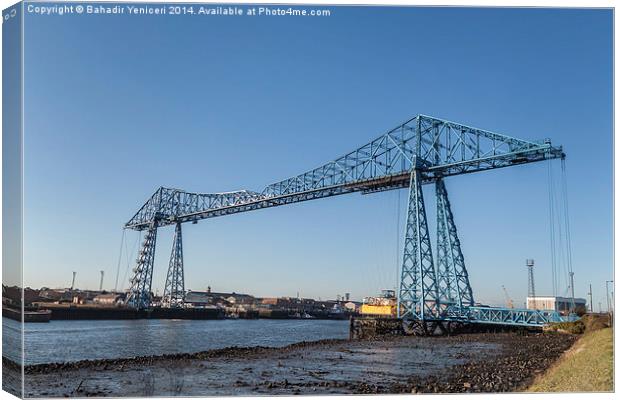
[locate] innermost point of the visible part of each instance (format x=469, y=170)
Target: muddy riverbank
x=464, y=363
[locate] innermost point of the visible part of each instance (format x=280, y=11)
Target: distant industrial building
x=560, y=304
x=203, y=299
x=109, y=299
x=288, y=302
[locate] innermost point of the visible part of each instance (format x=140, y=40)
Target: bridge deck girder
x=438, y=148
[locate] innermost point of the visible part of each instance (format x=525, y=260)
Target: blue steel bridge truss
x=422, y=150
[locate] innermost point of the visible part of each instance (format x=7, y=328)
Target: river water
x=61, y=341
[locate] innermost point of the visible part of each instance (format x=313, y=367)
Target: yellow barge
x=384, y=305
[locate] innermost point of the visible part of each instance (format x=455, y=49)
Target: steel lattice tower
x=140, y=291
x=453, y=280
x=531, y=290
x=174, y=291
x=418, y=295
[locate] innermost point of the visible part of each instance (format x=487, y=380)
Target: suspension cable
x=559, y=232
x=127, y=251
x=552, y=227
x=133, y=250
x=397, y=239
x=561, y=238
x=566, y=218
x=568, y=238
x=118, y=265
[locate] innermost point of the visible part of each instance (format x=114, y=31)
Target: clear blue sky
x=117, y=106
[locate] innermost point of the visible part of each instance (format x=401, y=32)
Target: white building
x=556, y=303
x=108, y=299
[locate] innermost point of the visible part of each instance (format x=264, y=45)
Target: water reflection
x=60, y=341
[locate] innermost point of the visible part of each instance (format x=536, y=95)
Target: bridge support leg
x=453, y=280
x=446, y=285
x=140, y=292
x=174, y=291
x=417, y=295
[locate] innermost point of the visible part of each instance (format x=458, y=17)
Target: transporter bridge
x=423, y=150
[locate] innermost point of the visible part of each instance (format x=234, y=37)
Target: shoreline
x=473, y=362
x=229, y=351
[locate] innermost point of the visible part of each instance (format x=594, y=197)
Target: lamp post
x=572, y=291
x=101, y=281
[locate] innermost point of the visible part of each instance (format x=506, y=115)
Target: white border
x=477, y=3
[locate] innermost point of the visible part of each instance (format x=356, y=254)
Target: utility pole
x=572, y=291
x=101, y=281
x=607, y=295
x=600, y=307
x=590, y=294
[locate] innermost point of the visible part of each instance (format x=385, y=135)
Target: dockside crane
x=509, y=302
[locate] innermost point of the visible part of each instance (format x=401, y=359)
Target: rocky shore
x=521, y=360
x=477, y=362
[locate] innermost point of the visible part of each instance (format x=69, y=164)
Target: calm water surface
x=60, y=341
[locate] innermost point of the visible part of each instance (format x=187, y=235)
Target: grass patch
x=586, y=367
x=587, y=323
x=578, y=327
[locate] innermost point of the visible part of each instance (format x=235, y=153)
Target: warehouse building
x=556, y=303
